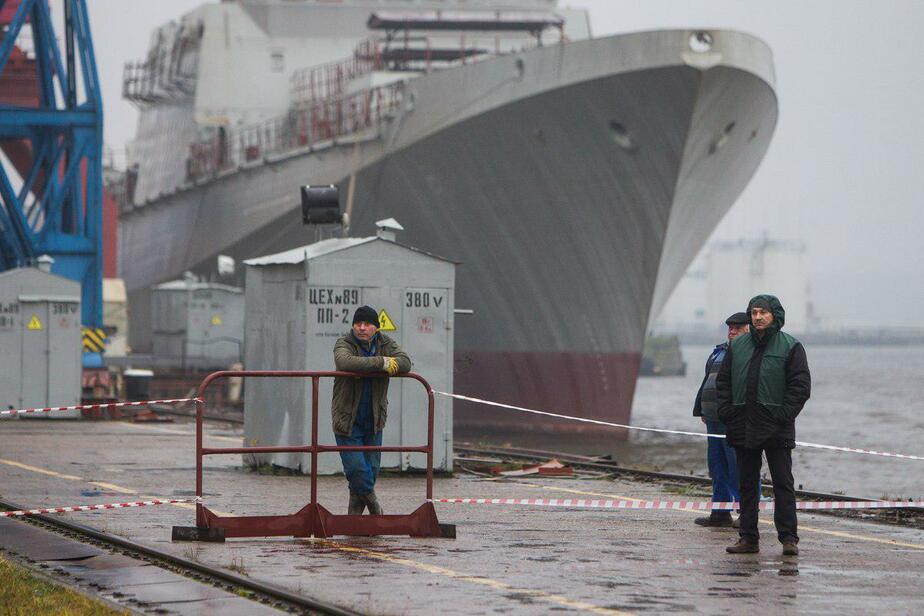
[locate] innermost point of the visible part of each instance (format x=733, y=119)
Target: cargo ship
x=575, y=177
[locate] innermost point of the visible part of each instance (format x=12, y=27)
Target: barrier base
x=195, y=533
x=313, y=520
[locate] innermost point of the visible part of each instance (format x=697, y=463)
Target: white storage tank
x=40, y=336
x=300, y=301
x=196, y=325
x=740, y=270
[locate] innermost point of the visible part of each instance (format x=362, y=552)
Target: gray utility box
x=300, y=301
x=196, y=324
x=40, y=338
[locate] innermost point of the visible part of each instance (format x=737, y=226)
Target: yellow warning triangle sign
x=34, y=323
x=387, y=325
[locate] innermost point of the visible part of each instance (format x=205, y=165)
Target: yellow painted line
x=101, y=484
x=836, y=533
x=43, y=471
x=237, y=440
x=539, y=595
x=112, y=486
x=810, y=529
x=609, y=496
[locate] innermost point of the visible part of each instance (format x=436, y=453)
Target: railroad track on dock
x=911, y=517
x=267, y=594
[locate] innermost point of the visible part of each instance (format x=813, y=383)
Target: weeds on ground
x=192, y=552
x=237, y=565
x=685, y=490
x=119, y=531
x=894, y=497
x=24, y=593
x=252, y=463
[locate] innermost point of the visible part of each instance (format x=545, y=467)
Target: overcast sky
x=845, y=169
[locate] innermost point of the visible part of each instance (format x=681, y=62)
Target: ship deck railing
x=409, y=44
x=322, y=122
x=168, y=73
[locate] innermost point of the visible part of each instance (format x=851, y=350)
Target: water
x=867, y=397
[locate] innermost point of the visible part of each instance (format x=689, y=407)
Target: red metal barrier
x=312, y=520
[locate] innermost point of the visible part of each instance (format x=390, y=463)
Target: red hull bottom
x=591, y=385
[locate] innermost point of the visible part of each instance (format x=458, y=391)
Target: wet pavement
x=506, y=559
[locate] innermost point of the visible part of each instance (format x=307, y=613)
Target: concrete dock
x=506, y=559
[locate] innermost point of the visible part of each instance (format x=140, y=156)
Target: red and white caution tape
x=107, y=405
x=659, y=504
x=150, y=503
x=599, y=422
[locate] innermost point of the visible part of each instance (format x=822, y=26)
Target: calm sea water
x=868, y=397
x=865, y=397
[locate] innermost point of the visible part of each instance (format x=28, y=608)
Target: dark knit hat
x=739, y=318
x=760, y=302
x=365, y=314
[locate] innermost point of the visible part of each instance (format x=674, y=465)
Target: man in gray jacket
x=360, y=405
x=720, y=456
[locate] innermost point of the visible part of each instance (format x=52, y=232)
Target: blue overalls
x=362, y=467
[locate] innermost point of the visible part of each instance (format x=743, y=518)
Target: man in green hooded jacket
x=761, y=387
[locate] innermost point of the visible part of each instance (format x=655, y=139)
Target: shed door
x=426, y=339
x=35, y=374
x=64, y=356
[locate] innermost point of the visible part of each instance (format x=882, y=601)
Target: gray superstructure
x=575, y=180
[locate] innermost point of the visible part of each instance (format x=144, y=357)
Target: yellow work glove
x=390, y=365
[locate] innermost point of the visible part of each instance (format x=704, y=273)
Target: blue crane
x=51, y=175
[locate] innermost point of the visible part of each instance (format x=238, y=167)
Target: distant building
x=727, y=274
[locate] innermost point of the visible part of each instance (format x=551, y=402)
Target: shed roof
x=37, y=274
x=325, y=247
x=182, y=285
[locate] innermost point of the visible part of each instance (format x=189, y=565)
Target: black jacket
x=753, y=425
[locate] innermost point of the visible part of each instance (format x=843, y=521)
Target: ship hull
x=575, y=188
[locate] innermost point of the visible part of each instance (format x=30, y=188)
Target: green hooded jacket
x=771, y=385
x=763, y=384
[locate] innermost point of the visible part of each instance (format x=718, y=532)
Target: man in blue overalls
x=360, y=405
x=721, y=457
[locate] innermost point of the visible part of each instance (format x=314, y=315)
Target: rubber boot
x=357, y=504
x=743, y=546
x=372, y=502
x=719, y=519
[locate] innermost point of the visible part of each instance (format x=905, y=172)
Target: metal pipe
x=200, y=411
x=314, y=439
x=314, y=448
x=71, y=93
x=430, y=421
x=208, y=451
